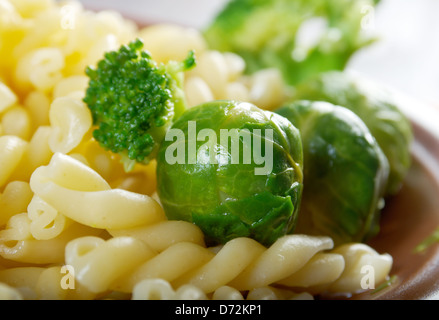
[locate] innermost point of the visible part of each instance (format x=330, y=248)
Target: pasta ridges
x=168, y=265
x=90, y=256
x=227, y=264
x=102, y=207
x=287, y=255
x=12, y=149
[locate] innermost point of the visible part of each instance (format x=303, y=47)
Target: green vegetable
x=133, y=101
x=376, y=108
x=299, y=37
x=386, y=284
x=345, y=172
x=428, y=242
x=226, y=195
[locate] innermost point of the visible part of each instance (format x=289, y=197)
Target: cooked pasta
x=16, y=121
x=40, y=69
x=70, y=120
x=92, y=201
x=12, y=149
x=14, y=200
x=45, y=221
x=16, y=243
x=242, y=264
x=75, y=225
x=9, y=293
x=7, y=97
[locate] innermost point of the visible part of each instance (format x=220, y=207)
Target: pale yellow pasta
x=323, y=268
x=228, y=263
x=14, y=200
x=24, y=279
x=69, y=85
x=212, y=68
x=40, y=68
x=160, y=289
x=168, y=265
x=12, y=149
x=235, y=65
x=94, y=52
x=36, y=153
x=43, y=283
x=142, y=179
x=99, y=263
x=46, y=222
x=265, y=293
x=197, y=91
x=70, y=120
x=163, y=234
x=91, y=201
x=286, y=256
x=7, y=97
x=8, y=15
x=301, y=296
x=267, y=89
x=167, y=42
x=67, y=172
x=138, y=182
x=16, y=121
x=28, y=8
x=38, y=103
x=241, y=263
x=40, y=251
x=48, y=285
x=110, y=22
x=9, y=293
x=153, y=289
x=17, y=228
x=237, y=91
x=365, y=268
x=189, y=292
x=104, y=162
x=53, y=285
x=221, y=76
x=227, y=293
x=46, y=29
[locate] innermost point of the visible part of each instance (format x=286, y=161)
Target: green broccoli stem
x=176, y=71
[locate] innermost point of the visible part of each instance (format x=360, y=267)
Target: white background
x=406, y=57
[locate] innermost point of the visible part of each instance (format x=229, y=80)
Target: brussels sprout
x=345, y=172
x=232, y=169
x=375, y=107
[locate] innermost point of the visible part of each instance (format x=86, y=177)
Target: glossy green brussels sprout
x=232, y=169
x=345, y=172
x=375, y=107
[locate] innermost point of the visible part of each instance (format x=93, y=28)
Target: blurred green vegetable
x=227, y=199
x=376, y=108
x=345, y=172
x=133, y=101
x=299, y=37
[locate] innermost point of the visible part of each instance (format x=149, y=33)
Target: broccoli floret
x=133, y=100
x=299, y=37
